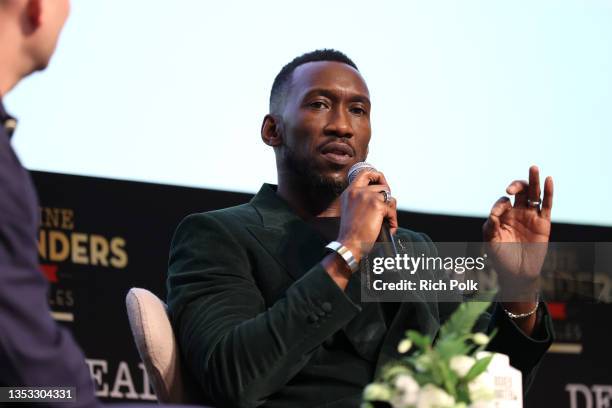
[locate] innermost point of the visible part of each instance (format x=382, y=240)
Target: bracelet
x=523, y=315
x=344, y=253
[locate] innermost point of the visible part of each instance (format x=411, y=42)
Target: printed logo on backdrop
x=62, y=243
x=593, y=396
x=118, y=382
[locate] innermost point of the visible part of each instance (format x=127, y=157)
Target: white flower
x=408, y=391
x=482, y=388
x=422, y=363
x=461, y=365
x=377, y=392
x=433, y=397
x=482, y=354
x=480, y=338
x=404, y=346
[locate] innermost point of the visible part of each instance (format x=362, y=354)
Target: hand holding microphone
x=368, y=212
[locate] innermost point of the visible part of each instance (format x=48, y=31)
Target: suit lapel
x=296, y=249
x=294, y=244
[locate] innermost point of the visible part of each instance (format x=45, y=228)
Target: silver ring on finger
x=534, y=203
x=386, y=196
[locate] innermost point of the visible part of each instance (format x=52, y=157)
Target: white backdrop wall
x=466, y=95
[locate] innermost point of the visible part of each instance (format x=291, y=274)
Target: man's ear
x=33, y=13
x=271, y=131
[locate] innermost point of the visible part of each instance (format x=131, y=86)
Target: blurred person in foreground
x=34, y=350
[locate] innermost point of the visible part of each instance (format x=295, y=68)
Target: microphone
x=389, y=248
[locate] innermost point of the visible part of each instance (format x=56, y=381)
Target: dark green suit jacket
x=260, y=323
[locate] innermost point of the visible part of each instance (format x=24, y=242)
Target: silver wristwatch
x=345, y=253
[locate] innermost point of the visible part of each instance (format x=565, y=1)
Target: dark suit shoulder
x=228, y=219
x=243, y=214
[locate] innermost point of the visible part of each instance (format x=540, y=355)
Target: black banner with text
x=98, y=238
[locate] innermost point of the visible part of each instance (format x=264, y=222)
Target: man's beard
x=311, y=177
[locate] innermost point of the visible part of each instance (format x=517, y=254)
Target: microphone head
x=357, y=168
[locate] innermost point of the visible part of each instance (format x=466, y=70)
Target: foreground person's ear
x=33, y=12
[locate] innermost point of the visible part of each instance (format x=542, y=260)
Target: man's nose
x=339, y=124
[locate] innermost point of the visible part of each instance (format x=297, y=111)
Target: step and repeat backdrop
x=99, y=237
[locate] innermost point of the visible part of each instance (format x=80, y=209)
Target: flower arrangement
x=449, y=374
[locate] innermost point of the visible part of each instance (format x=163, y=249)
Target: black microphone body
x=388, y=247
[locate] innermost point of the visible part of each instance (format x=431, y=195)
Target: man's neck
x=7, y=82
x=12, y=68
x=308, y=201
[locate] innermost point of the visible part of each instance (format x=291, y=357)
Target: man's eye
x=358, y=111
x=318, y=105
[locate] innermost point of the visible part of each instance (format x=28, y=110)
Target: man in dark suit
x=267, y=315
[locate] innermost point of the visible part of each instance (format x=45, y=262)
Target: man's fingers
x=518, y=188
x=370, y=177
x=377, y=188
x=488, y=228
x=391, y=216
x=366, y=177
x=493, y=222
x=534, y=184
x=524, y=191
x=547, y=201
x=500, y=207
x=383, y=180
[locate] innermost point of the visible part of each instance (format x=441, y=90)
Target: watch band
x=345, y=254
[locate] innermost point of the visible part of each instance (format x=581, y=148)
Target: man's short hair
x=283, y=79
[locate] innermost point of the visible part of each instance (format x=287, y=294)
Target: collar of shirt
x=7, y=121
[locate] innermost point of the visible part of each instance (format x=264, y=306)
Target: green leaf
x=463, y=393
x=478, y=368
x=449, y=378
x=492, y=334
x=423, y=378
x=422, y=341
x=463, y=319
x=436, y=372
x=448, y=347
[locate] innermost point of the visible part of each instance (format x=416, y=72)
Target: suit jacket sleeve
x=240, y=349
